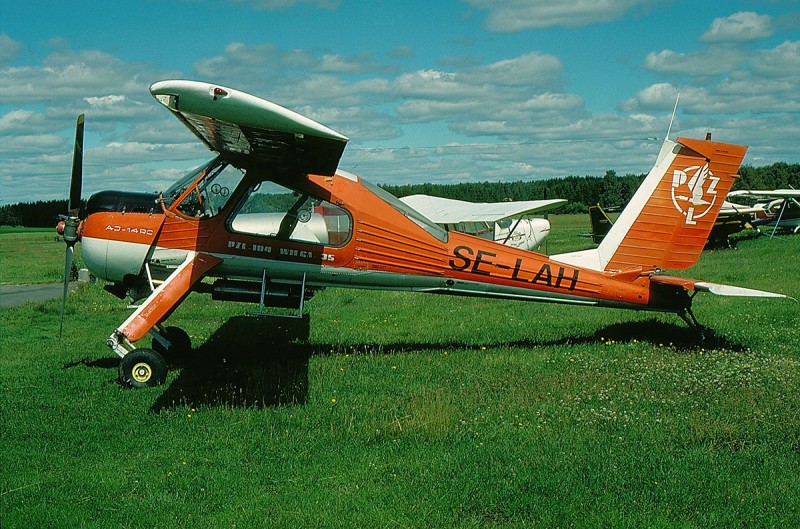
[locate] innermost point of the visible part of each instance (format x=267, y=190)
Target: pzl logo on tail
x=701, y=185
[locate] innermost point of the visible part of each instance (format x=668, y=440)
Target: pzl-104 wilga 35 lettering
x=272, y=219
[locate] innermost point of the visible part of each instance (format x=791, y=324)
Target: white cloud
x=518, y=15
x=744, y=26
x=335, y=63
x=426, y=110
x=117, y=107
x=358, y=122
x=9, y=48
x=783, y=60
x=268, y=65
x=532, y=69
x=430, y=84
x=762, y=81
x=17, y=121
x=655, y=97
x=707, y=62
x=32, y=145
x=67, y=74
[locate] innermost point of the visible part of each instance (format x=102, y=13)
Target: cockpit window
x=271, y=210
x=204, y=191
x=412, y=214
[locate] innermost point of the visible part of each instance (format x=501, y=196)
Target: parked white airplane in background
x=508, y=223
x=781, y=212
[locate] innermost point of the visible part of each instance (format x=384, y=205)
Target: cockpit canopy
x=204, y=191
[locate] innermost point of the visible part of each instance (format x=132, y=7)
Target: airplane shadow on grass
x=263, y=362
x=247, y=362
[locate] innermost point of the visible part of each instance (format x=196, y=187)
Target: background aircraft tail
x=601, y=223
x=667, y=222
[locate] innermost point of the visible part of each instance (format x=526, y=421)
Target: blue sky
x=445, y=91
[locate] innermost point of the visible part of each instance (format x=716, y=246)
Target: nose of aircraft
x=534, y=231
x=118, y=232
x=61, y=227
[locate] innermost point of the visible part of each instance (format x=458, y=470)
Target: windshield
x=412, y=214
x=204, y=191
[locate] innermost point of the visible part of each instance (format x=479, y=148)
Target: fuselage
x=372, y=241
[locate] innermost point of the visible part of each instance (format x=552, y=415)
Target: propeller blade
x=77, y=170
x=72, y=221
x=67, y=272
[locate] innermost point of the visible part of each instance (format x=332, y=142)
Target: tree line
x=579, y=191
x=609, y=190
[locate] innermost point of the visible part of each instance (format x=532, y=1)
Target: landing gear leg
x=146, y=367
x=688, y=316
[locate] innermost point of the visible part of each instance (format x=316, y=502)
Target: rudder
x=667, y=222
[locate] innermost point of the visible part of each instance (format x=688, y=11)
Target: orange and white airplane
x=271, y=218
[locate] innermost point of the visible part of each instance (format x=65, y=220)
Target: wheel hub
x=142, y=372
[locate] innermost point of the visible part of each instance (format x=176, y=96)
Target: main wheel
x=180, y=345
x=142, y=368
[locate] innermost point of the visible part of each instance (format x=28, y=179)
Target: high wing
x=776, y=193
x=246, y=129
x=449, y=211
x=730, y=208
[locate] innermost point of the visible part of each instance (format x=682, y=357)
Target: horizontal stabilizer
x=713, y=288
x=729, y=290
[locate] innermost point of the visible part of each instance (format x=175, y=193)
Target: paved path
x=12, y=295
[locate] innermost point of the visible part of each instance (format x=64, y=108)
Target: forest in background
x=609, y=190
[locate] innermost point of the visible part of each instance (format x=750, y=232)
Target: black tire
x=142, y=368
x=180, y=345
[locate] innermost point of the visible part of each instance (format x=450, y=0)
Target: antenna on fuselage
x=674, y=110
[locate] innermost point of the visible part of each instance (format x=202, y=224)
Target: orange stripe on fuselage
x=141, y=228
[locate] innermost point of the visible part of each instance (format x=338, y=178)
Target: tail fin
x=667, y=222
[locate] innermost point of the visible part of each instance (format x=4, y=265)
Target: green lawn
x=389, y=409
x=32, y=256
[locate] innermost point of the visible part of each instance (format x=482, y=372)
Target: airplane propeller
x=72, y=220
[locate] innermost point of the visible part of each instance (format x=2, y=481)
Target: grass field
x=389, y=410
x=31, y=256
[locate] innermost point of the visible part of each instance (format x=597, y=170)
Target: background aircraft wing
x=246, y=129
x=729, y=209
x=449, y=211
x=776, y=193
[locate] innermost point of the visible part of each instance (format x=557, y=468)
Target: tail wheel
x=142, y=368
